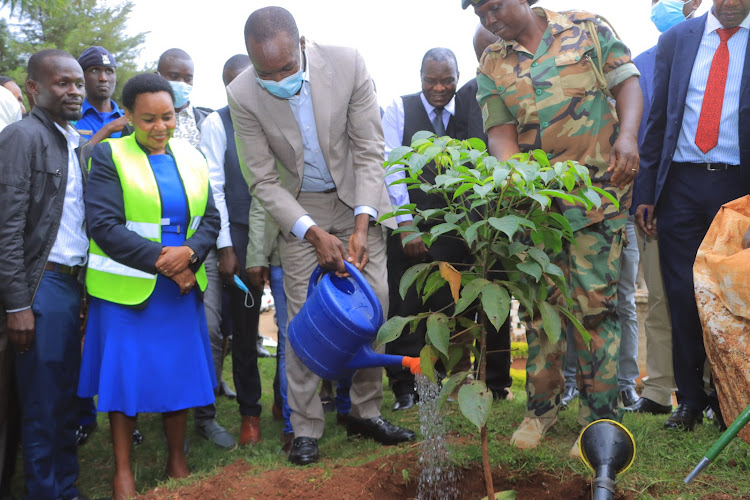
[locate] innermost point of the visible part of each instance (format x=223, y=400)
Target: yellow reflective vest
x=110, y=280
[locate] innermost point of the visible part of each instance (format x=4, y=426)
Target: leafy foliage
x=503, y=213
x=71, y=26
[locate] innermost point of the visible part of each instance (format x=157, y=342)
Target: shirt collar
x=713, y=24
x=87, y=107
x=187, y=111
x=69, y=132
x=450, y=107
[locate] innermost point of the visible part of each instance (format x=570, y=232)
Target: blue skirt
x=153, y=360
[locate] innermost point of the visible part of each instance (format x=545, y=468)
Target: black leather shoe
x=404, y=401
x=629, y=397
x=645, y=405
x=379, y=429
x=83, y=432
x=225, y=390
x=571, y=392
x=684, y=418
x=304, y=451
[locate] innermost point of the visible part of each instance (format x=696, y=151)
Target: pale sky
x=392, y=35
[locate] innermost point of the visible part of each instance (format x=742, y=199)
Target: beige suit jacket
x=350, y=134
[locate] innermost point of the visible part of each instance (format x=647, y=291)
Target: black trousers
x=690, y=199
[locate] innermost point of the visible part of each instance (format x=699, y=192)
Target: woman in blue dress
x=152, y=222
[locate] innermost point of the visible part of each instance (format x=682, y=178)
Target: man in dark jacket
x=44, y=244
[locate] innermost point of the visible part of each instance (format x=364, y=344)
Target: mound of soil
x=395, y=478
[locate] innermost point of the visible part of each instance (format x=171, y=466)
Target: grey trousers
x=660, y=383
x=298, y=258
x=212, y=303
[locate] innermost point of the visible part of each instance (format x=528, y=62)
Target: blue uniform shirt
x=92, y=121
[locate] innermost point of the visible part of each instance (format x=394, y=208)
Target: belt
x=62, y=268
x=172, y=228
x=332, y=190
x=711, y=167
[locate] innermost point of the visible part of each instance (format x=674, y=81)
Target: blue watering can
x=333, y=331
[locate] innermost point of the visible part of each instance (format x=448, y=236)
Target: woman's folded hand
x=185, y=279
x=173, y=260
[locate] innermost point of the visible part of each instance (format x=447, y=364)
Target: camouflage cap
x=476, y=3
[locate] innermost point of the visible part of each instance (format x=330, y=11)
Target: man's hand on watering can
x=329, y=249
x=359, y=252
x=259, y=277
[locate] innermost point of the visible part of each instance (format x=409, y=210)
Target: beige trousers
x=660, y=383
x=298, y=258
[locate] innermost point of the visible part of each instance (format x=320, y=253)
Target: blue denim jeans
x=47, y=382
x=279, y=300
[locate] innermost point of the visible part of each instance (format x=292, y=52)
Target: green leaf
x=438, y=332
x=544, y=201
x=483, y=190
x=516, y=247
x=469, y=294
x=557, y=194
x=475, y=401
x=417, y=162
x=449, y=385
x=391, y=329
x=476, y=143
x=577, y=325
x=539, y=256
x=607, y=195
x=592, y=196
x=443, y=228
x=541, y=157
x=422, y=134
x=453, y=218
x=411, y=237
x=470, y=234
x=496, y=304
x=409, y=276
x=550, y=321
x=462, y=189
x=531, y=268
x=508, y=224
x=434, y=283
x=455, y=353
x=426, y=357
x=554, y=270
x=398, y=153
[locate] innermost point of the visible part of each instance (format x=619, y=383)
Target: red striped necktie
x=707, y=134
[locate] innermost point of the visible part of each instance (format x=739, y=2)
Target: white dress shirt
x=71, y=244
x=728, y=148
x=393, y=131
x=302, y=108
x=214, y=147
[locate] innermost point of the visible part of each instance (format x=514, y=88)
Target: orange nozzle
x=412, y=364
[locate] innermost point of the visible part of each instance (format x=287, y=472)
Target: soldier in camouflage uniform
x=539, y=89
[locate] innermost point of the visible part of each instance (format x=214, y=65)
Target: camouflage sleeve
x=618, y=65
x=494, y=110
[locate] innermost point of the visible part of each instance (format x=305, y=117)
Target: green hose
x=721, y=443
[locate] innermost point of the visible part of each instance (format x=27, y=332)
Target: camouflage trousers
x=592, y=269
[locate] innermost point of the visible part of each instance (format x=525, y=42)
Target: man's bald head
x=483, y=38
x=234, y=66
x=176, y=65
x=264, y=24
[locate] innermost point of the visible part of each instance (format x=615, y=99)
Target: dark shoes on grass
x=645, y=405
x=304, y=451
x=684, y=418
x=379, y=429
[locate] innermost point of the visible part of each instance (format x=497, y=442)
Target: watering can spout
x=367, y=358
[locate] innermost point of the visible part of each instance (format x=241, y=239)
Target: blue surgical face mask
x=667, y=13
x=181, y=93
x=288, y=87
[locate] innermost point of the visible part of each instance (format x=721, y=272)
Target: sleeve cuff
x=302, y=225
x=364, y=209
x=17, y=310
x=620, y=74
x=404, y=218
x=224, y=240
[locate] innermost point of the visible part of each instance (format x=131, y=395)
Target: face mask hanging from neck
x=288, y=87
x=667, y=13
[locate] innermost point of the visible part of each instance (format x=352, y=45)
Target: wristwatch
x=193, y=258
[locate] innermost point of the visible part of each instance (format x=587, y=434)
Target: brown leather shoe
x=250, y=431
x=286, y=440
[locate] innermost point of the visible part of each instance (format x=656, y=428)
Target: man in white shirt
x=44, y=244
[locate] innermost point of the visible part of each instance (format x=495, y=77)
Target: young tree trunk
x=483, y=436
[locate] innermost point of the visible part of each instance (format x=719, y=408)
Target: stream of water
x=438, y=479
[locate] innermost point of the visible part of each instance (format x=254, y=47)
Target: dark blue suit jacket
x=675, y=56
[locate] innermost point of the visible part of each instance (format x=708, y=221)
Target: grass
x=663, y=458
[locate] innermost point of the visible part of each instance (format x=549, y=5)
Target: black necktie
x=437, y=123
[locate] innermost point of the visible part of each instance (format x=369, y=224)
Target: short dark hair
x=235, y=64
x=531, y=2
x=37, y=60
x=145, y=83
x=439, y=54
x=264, y=24
x=173, y=54
x=5, y=79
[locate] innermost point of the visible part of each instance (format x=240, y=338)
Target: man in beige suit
x=308, y=131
